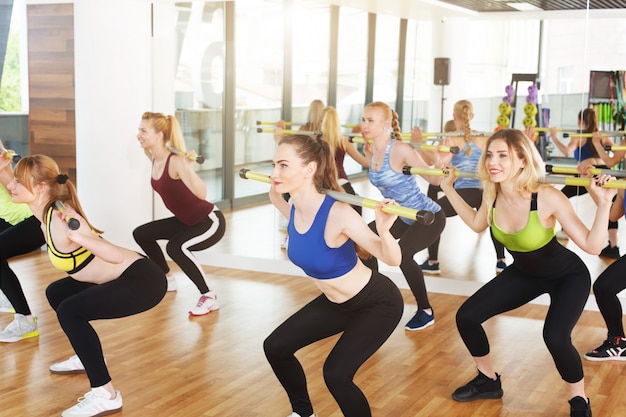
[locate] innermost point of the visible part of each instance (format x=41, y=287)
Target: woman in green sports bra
x=522, y=213
x=104, y=281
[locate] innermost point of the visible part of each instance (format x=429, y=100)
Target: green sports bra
x=532, y=237
x=71, y=262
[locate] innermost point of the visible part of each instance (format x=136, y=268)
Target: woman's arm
x=475, y=219
x=279, y=202
x=554, y=203
x=382, y=245
x=86, y=238
x=568, y=149
x=355, y=154
x=617, y=208
x=599, y=142
x=403, y=154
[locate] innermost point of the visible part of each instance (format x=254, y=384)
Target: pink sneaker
x=206, y=304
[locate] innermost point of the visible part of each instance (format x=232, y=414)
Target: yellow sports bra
x=530, y=238
x=70, y=262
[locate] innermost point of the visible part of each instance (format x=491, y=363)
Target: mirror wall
x=244, y=65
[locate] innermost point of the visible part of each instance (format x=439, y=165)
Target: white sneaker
x=171, y=284
x=19, y=329
x=206, y=304
x=95, y=403
x=73, y=365
x=5, y=304
x=298, y=415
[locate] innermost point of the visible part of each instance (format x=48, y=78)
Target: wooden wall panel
x=52, y=123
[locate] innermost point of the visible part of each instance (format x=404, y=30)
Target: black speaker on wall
x=442, y=71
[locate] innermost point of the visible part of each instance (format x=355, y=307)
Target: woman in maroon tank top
x=196, y=225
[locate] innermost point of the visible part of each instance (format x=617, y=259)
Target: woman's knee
x=336, y=377
x=466, y=317
x=275, y=347
x=602, y=287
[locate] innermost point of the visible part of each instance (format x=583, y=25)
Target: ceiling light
x=524, y=7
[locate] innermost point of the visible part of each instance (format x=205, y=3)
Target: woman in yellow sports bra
x=104, y=280
x=522, y=213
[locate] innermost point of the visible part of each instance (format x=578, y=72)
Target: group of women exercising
x=332, y=244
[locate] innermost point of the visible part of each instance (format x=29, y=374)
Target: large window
x=259, y=85
x=386, y=63
x=199, y=87
x=311, y=30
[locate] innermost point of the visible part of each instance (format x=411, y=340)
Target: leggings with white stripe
x=182, y=240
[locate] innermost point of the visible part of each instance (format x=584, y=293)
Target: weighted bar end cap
x=425, y=217
x=406, y=170
x=243, y=173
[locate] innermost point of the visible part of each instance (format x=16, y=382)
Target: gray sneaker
x=5, y=304
x=19, y=329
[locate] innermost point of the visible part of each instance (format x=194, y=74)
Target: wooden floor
x=168, y=364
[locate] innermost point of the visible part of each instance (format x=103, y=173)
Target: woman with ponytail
x=104, y=281
x=388, y=155
x=196, y=225
x=323, y=235
x=471, y=148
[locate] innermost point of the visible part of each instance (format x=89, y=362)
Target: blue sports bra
x=310, y=252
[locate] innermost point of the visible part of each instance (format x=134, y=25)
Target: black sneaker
x=429, y=268
x=480, y=388
x=612, y=349
x=579, y=407
x=611, y=252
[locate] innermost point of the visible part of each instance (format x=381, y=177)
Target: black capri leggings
x=182, y=240
x=140, y=287
x=568, y=284
x=413, y=238
x=610, y=283
x=366, y=321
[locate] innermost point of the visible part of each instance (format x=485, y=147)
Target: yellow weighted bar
x=426, y=217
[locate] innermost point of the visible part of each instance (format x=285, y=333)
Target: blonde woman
x=522, y=213
x=197, y=224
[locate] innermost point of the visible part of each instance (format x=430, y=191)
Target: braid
x=467, y=130
x=395, y=125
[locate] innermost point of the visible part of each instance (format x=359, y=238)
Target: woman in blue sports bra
x=522, y=213
x=323, y=234
x=388, y=155
x=104, y=281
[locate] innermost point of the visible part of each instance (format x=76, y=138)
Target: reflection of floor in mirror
x=467, y=259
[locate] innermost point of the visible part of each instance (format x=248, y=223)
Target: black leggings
x=413, y=238
x=473, y=197
x=365, y=321
x=24, y=237
x=611, y=282
x=562, y=275
x=140, y=287
x=182, y=240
